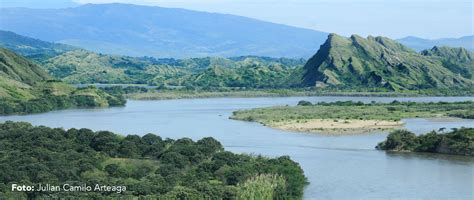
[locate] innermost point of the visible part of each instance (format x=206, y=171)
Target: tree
x=209, y=146
x=105, y=141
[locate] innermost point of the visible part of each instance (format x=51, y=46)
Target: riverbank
x=198, y=94
x=351, y=117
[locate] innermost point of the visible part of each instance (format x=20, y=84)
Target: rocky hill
x=379, y=62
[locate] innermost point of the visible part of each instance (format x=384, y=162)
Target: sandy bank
x=333, y=126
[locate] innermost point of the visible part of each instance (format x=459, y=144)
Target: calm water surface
x=338, y=167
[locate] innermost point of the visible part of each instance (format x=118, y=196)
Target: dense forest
x=147, y=166
x=458, y=141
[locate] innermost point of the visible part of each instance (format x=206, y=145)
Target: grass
x=263, y=186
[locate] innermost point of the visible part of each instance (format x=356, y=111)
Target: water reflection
x=453, y=159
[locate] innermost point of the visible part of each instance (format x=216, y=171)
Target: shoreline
x=168, y=95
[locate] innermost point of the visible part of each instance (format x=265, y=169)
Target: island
x=458, y=141
x=347, y=117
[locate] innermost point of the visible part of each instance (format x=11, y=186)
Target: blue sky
x=392, y=18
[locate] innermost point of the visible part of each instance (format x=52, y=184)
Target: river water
x=337, y=167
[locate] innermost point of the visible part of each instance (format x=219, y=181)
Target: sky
x=429, y=19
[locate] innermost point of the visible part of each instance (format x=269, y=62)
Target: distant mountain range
x=355, y=62
x=420, y=44
x=134, y=30
x=380, y=62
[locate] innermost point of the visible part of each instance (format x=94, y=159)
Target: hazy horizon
x=419, y=18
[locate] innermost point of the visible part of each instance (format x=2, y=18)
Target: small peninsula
x=351, y=117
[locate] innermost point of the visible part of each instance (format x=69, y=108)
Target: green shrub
x=304, y=103
x=399, y=140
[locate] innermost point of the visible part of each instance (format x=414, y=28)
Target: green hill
x=379, y=62
x=18, y=76
x=26, y=88
x=80, y=66
x=251, y=72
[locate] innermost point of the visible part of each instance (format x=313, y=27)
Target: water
x=338, y=167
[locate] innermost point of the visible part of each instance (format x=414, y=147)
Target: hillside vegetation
x=26, y=88
x=147, y=167
x=379, y=62
x=82, y=66
x=18, y=76
x=459, y=141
